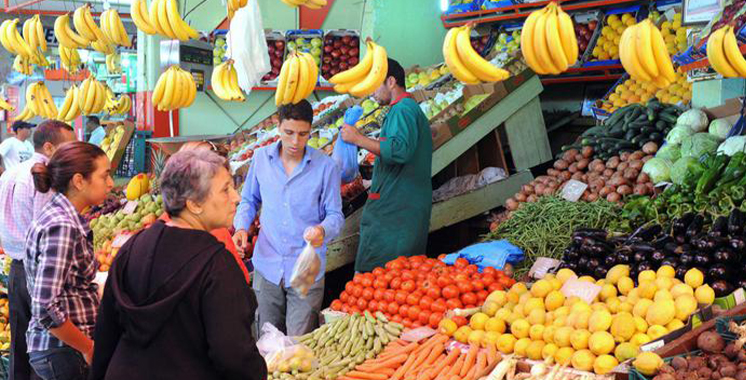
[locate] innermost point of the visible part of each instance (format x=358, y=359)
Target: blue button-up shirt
x=308, y=197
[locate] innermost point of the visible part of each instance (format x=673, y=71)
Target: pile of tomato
x=416, y=291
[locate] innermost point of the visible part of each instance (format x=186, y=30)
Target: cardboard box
x=441, y=133
x=731, y=110
x=497, y=88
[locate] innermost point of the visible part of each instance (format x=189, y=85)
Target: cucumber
x=651, y=114
x=667, y=117
x=661, y=125
x=636, y=140
x=647, y=130
x=616, y=132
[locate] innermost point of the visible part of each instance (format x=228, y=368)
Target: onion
x=613, y=197
x=618, y=181
x=606, y=191
x=624, y=190
x=625, y=156
x=553, y=172
x=609, y=172
x=578, y=176
x=532, y=198
x=592, y=197
x=539, y=189
x=599, y=167
x=570, y=155
x=511, y=204
x=650, y=147
x=598, y=184
x=520, y=197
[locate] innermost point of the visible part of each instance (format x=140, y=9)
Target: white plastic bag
x=305, y=270
x=282, y=353
x=247, y=46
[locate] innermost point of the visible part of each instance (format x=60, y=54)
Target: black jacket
x=176, y=306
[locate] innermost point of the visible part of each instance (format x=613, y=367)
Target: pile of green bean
x=544, y=228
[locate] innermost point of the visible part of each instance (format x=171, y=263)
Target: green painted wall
x=410, y=30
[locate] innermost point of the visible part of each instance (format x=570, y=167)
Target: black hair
x=395, y=70
x=49, y=131
x=18, y=124
x=300, y=111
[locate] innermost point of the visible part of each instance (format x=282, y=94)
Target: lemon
x=549, y=318
x=478, y=320
x=583, y=360
x=548, y=335
x=563, y=355
x=656, y=331
x=499, y=296
x=536, y=332
x=513, y=297
x=694, y=278
x=476, y=337
x=666, y=271
x=674, y=325
x=520, y=346
x=549, y=350
x=563, y=311
x=685, y=306
x=600, y=321
x=625, y=306
x=607, y=291
x=536, y=317
x=625, y=284
x=512, y=317
x=599, y=306
x=641, y=308
x=491, y=338
x=647, y=288
x=613, y=304
x=490, y=308
x=518, y=288
x=495, y=324
x=663, y=283
x=601, y=342
x=660, y=313
x=559, y=321
x=556, y=283
x=562, y=336
x=565, y=274
x=541, y=288
x=533, y=303
x=524, y=298
x=505, y=343
x=622, y=326
x=588, y=279
x=646, y=275
x=625, y=351
x=705, y=294
x=519, y=309
x=520, y=328
x=571, y=301
x=579, y=339
x=534, y=349
x=633, y=296
x=462, y=334
x=604, y=364
x=503, y=313
x=600, y=282
x=639, y=339
x=640, y=324
x=447, y=326
x=648, y=363
x=554, y=300
x=662, y=295
x=580, y=305
x=681, y=289
x=582, y=319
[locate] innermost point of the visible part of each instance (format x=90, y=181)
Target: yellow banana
x=4, y=40
x=662, y=59
x=282, y=82
x=27, y=33
x=31, y=100
x=358, y=72
x=733, y=53
x=92, y=27
x=217, y=85
x=179, y=89
x=376, y=76
x=4, y=105
x=716, y=54
x=66, y=36
x=91, y=97
x=75, y=108
x=139, y=13
x=174, y=20
x=568, y=38
x=163, y=19
x=17, y=41
x=159, y=90
x=26, y=114
x=452, y=59
x=39, y=34
x=100, y=98
x=66, y=104
x=115, y=23
x=316, y=4
x=541, y=44
x=633, y=65
x=313, y=73
x=80, y=23
x=343, y=88
x=235, y=88
x=474, y=62
x=83, y=93
x=168, y=94
x=554, y=42
x=189, y=88
x=294, y=3
x=644, y=48
x=293, y=80
x=303, y=80
x=154, y=18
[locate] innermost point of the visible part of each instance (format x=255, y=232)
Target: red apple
x=336, y=53
x=337, y=44
x=328, y=49
x=327, y=59
x=344, y=50
x=343, y=66
x=326, y=67
x=355, y=42
x=346, y=39
x=334, y=71
x=278, y=53
x=353, y=61
x=354, y=52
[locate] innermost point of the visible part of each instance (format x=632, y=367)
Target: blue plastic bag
x=345, y=154
x=488, y=254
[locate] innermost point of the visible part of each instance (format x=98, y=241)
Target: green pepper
x=711, y=175
x=733, y=171
x=737, y=192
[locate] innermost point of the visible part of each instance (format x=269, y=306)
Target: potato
x=613, y=162
x=613, y=197
x=561, y=165
x=606, y=191
x=573, y=168
x=569, y=156
x=583, y=164
x=624, y=156
x=587, y=152
x=640, y=189
x=636, y=164
x=650, y=147
x=638, y=155
x=631, y=174
x=711, y=342
x=622, y=166
x=624, y=190
x=578, y=176
x=553, y=172
x=592, y=197
x=643, y=178
x=647, y=158
x=609, y=172
x=565, y=176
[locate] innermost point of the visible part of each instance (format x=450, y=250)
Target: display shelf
x=586, y=74
x=519, y=11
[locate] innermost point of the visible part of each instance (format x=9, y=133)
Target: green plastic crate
x=721, y=325
x=635, y=375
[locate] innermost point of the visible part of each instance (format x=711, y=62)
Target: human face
x=23, y=133
x=65, y=136
x=383, y=94
x=94, y=189
x=218, y=210
x=294, y=135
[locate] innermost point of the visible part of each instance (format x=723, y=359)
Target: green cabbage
x=678, y=134
x=720, y=128
x=695, y=119
x=683, y=166
x=658, y=169
x=671, y=152
x=698, y=144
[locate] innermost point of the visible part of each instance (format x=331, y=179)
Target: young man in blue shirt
x=298, y=191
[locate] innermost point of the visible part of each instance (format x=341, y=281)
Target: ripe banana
x=298, y=77
x=644, y=56
x=724, y=55
x=480, y=67
x=356, y=73
x=33, y=33
x=103, y=47
x=69, y=106
x=66, y=36
x=39, y=100
x=13, y=41
x=733, y=54
x=662, y=59
x=86, y=26
x=23, y=65
x=311, y=4
x=4, y=105
x=113, y=64
x=225, y=82
x=92, y=97
x=165, y=18
x=70, y=59
x=628, y=55
x=175, y=89
x=364, y=78
x=26, y=114
x=141, y=17
x=548, y=41
x=113, y=28
x=644, y=45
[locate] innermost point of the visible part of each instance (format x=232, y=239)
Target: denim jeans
x=59, y=364
x=19, y=303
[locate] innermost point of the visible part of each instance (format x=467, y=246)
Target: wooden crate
x=129, y=130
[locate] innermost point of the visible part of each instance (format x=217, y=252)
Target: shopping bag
x=283, y=354
x=488, y=254
x=345, y=154
x=305, y=270
x=247, y=46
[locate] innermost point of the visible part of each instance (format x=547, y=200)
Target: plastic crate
x=584, y=18
x=488, y=4
x=463, y=8
x=601, y=114
x=273, y=36
x=329, y=38
x=721, y=325
x=136, y=155
x=640, y=13
x=634, y=374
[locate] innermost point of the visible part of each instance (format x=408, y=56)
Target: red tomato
x=395, y=283
x=461, y=263
x=380, y=283
x=357, y=291
x=469, y=298
x=494, y=286
x=445, y=280
x=396, y=318
x=421, y=276
x=408, y=275
x=415, y=264
x=414, y=312
x=470, y=306
x=424, y=317
x=358, y=279
x=345, y=308
x=373, y=305
x=499, y=273
x=367, y=282
x=477, y=284
x=378, y=272
x=434, y=319
x=434, y=292
x=362, y=304
x=401, y=297
x=389, y=295
x=489, y=271
x=439, y=305
x=378, y=294
x=426, y=302
x=349, y=286
x=404, y=310
x=441, y=256
x=407, y=322
x=388, y=277
x=460, y=320
x=367, y=294
x=439, y=264
x=464, y=286
x=461, y=277
x=482, y=295
x=383, y=307
x=450, y=291
x=414, y=298
x=408, y=286
x=488, y=280
x=504, y=281
x=344, y=296
x=336, y=305
x=454, y=303
x=355, y=310
x=393, y=308
x=417, y=259
x=471, y=269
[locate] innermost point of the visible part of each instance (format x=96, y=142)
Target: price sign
x=130, y=207
x=573, y=190
x=119, y=240
x=542, y=266
x=581, y=289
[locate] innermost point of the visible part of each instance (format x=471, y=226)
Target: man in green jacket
x=396, y=217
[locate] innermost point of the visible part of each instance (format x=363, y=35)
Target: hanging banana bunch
x=40, y=100
x=67, y=36
x=114, y=63
x=644, y=55
x=141, y=17
x=364, y=78
x=724, y=55
x=92, y=97
x=70, y=106
x=311, y=4
x=225, y=82
x=165, y=18
x=86, y=26
x=465, y=63
x=26, y=114
x=12, y=40
x=5, y=106
x=23, y=65
x=118, y=106
x=234, y=5
x=113, y=28
x=175, y=89
x=298, y=77
x=70, y=59
x=548, y=41
x=33, y=33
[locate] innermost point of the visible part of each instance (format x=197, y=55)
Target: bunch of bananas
x=162, y=18
x=39, y=101
x=644, y=54
x=311, y=4
x=22, y=65
x=12, y=41
x=70, y=59
x=71, y=105
x=175, y=89
x=225, y=82
x=724, y=55
x=5, y=106
x=548, y=41
x=66, y=36
x=114, y=63
x=86, y=26
x=297, y=80
x=234, y=5
x=465, y=63
x=33, y=33
x=118, y=106
x=141, y=17
x=103, y=47
x=113, y=28
x=364, y=78
x=92, y=96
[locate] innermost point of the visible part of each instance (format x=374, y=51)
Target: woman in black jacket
x=175, y=305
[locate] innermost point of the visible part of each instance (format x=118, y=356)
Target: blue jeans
x=59, y=364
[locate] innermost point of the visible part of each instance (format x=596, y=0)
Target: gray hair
x=187, y=176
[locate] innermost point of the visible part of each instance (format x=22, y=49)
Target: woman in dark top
x=175, y=305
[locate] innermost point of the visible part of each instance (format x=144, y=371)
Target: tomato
x=504, y=281
x=378, y=294
x=477, y=284
x=355, y=310
x=450, y=291
x=373, y=305
x=367, y=282
x=406, y=322
x=461, y=263
x=470, y=306
x=362, y=304
x=488, y=280
x=408, y=275
x=469, y=298
x=404, y=310
x=439, y=264
x=352, y=300
x=396, y=318
x=349, y=286
x=441, y=256
x=414, y=298
x=367, y=294
x=336, y=305
x=494, y=286
x=438, y=306
x=482, y=295
x=395, y=283
x=445, y=280
x=421, y=276
x=344, y=296
x=424, y=317
x=471, y=269
x=460, y=320
x=464, y=286
x=454, y=303
x=434, y=292
x=346, y=308
x=414, y=312
x=378, y=272
x=380, y=283
x=415, y=264
x=401, y=297
x=388, y=276
x=489, y=271
x=393, y=308
x=461, y=277
x=434, y=319
x=357, y=291
x=417, y=259
x=358, y=279
x=389, y=295
x=408, y=286
x=426, y=302
x=383, y=307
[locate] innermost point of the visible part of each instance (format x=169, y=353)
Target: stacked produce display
x=607, y=45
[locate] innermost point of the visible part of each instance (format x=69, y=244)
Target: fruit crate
x=590, y=22
x=276, y=45
x=136, y=156
x=598, y=112
x=634, y=374
x=638, y=12
x=341, y=51
x=310, y=40
x=457, y=6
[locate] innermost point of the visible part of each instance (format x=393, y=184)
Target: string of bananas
x=103, y=47
x=23, y=65
x=465, y=63
x=70, y=59
x=39, y=100
x=92, y=97
x=71, y=105
x=113, y=28
x=724, y=55
x=311, y=4
x=297, y=80
x=67, y=36
x=12, y=40
x=114, y=63
x=26, y=114
x=141, y=17
x=364, y=78
x=5, y=106
x=164, y=17
x=33, y=33
x=225, y=82
x=234, y=5
x=86, y=26
x=548, y=41
x=644, y=55
x=118, y=106
x=175, y=89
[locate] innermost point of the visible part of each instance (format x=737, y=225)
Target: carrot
x=448, y=361
x=404, y=368
x=421, y=357
x=401, y=350
x=481, y=364
x=434, y=354
x=471, y=356
x=470, y=374
x=442, y=373
x=385, y=371
x=367, y=376
x=391, y=363
x=455, y=377
x=491, y=353
x=435, y=339
x=456, y=369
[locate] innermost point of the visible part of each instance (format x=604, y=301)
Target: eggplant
x=617, y=240
x=717, y=272
x=719, y=227
x=695, y=227
x=593, y=263
x=571, y=265
x=699, y=241
x=686, y=259
x=657, y=256
x=594, y=233
x=671, y=247
x=571, y=255
x=680, y=225
x=684, y=248
x=639, y=256
x=623, y=257
x=721, y=287
x=737, y=243
x=681, y=272
x=680, y=239
x=600, y=272
x=702, y=259
x=724, y=256
x=643, y=266
x=582, y=262
x=642, y=247
x=611, y=260
x=735, y=222
x=670, y=261
x=663, y=241
x=648, y=233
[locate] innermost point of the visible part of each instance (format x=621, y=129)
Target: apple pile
x=340, y=54
x=307, y=45
x=479, y=43
x=584, y=32
x=276, y=54
x=218, y=52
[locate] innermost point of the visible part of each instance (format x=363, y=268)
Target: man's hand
x=351, y=134
x=315, y=235
x=241, y=239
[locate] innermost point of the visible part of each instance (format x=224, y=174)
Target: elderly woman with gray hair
x=176, y=305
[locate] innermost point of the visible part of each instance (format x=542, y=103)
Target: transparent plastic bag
x=247, y=46
x=283, y=354
x=305, y=270
x=345, y=154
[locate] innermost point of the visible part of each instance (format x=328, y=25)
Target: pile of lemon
x=674, y=34
x=607, y=45
x=540, y=323
x=631, y=91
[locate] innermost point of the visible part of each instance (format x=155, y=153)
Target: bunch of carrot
x=426, y=360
